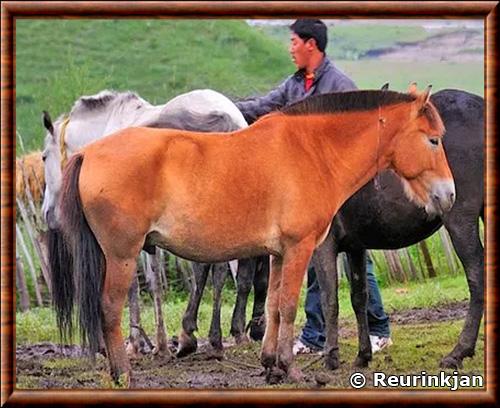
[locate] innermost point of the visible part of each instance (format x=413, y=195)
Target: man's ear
x=311, y=43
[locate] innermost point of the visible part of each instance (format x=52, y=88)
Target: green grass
x=38, y=324
x=467, y=76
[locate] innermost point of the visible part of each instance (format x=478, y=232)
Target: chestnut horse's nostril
x=452, y=197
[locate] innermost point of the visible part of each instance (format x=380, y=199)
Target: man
x=316, y=74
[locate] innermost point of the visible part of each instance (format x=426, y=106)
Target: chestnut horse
x=294, y=169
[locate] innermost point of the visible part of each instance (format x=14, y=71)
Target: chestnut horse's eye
x=434, y=141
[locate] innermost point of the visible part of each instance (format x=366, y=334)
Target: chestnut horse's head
x=419, y=158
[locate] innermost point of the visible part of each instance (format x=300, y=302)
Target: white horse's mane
x=103, y=99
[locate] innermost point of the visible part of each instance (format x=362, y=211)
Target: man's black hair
x=307, y=28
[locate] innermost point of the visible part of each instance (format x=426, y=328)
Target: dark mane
x=101, y=100
x=346, y=101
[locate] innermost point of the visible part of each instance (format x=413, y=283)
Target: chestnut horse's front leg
x=119, y=275
x=295, y=264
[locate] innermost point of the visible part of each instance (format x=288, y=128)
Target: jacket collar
x=300, y=74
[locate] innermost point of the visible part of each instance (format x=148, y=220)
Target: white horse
x=96, y=116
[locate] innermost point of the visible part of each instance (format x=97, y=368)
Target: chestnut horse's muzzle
x=441, y=198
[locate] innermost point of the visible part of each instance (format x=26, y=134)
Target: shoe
x=301, y=348
x=379, y=343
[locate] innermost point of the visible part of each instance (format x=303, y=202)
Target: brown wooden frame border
x=486, y=10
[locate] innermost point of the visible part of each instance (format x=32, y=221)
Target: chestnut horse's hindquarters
x=81, y=264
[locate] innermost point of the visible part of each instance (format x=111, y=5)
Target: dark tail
x=85, y=287
x=63, y=288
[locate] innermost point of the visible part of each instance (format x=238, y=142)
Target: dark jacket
x=327, y=78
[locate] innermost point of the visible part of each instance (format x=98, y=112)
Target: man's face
x=299, y=51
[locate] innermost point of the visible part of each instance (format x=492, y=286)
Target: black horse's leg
x=187, y=340
x=325, y=265
x=246, y=271
x=260, y=280
x=359, y=300
x=219, y=275
x=465, y=237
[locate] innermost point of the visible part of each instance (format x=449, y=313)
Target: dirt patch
x=47, y=365
x=453, y=311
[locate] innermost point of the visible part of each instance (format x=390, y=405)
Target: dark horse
x=383, y=218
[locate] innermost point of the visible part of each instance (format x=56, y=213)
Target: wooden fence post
x=34, y=239
x=428, y=260
x=448, y=251
x=24, y=299
x=411, y=265
x=20, y=240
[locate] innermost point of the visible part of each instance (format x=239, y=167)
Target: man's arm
x=254, y=108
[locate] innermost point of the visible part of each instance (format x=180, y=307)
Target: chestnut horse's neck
x=353, y=146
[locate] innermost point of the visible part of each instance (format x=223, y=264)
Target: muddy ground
x=50, y=366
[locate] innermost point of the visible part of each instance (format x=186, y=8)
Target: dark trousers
x=313, y=333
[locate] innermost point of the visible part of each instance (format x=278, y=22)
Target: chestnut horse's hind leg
x=359, y=300
x=119, y=275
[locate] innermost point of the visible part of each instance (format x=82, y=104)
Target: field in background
x=57, y=61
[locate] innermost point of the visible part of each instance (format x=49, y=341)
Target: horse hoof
x=451, y=362
x=215, y=353
x=268, y=360
x=361, y=362
x=295, y=375
x=163, y=353
x=332, y=363
x=241, y=339
x=274, y=375
x=187, y=345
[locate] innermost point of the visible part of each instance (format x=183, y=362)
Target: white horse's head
x=51, y=157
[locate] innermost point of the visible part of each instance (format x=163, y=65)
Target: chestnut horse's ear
x=423, y=98
x=47, y=122
x=412, y=89
x=426, y=95
x=385, y=87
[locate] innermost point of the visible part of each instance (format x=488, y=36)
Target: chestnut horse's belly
x=204, y=248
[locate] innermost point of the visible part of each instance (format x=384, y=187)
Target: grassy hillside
x=59, y=60
x=351, y=41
